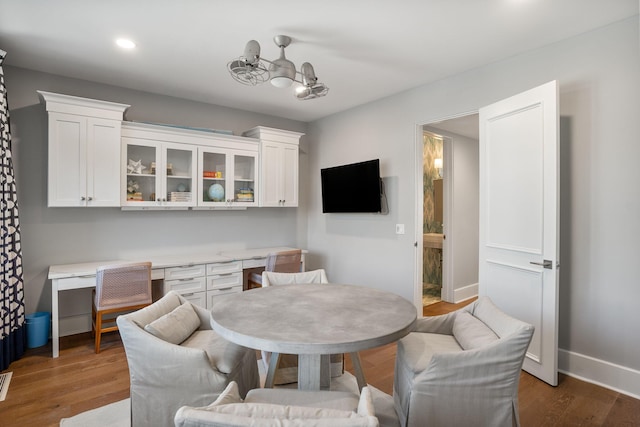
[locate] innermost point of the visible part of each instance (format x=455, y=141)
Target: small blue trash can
x=38, y=328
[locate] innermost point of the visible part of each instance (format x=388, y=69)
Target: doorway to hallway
x=447, y=200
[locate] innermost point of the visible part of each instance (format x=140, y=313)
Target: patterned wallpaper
x=432, y=149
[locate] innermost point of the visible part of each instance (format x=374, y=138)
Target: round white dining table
x=313, y=321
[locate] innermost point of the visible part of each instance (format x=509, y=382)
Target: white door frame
x=447, y=286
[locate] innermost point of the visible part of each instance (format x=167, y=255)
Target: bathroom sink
x=432, y=240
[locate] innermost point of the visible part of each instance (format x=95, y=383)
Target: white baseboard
x=464, y=293
x=600, y=372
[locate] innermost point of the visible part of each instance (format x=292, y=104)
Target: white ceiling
x=362, y=49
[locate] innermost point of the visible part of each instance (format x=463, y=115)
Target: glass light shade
x=281, y=81
x=438, y=163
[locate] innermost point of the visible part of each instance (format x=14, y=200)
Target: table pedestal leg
x=325, y=372
x=271, y=372
x=357, y=367
x=309, y=372
x=314, y=372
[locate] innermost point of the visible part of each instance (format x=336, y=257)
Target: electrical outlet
x=399, y=228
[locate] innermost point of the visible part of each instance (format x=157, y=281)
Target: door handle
x=545, y=263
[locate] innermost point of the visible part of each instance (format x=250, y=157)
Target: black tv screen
x=351, y=188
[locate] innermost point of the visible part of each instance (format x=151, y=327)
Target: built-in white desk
x=83, y=275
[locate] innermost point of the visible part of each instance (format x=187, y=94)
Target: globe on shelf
x=216, y=193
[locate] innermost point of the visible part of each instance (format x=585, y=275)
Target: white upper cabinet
x=166, y=167
x=84, y=151
x=279, y=153
x=96, y=159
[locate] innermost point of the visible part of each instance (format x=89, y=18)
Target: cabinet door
x=242, y=178
x=142, y=173
x=212, y=175
x=270, y=175
x=67, y=160
x=279, y=176
x=289, y=175
x=103, y=162
x=180, y=171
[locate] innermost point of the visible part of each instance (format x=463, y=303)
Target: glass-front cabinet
x=158, y=174
x=226, y=177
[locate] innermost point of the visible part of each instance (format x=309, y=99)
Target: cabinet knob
x=164, y=200
x=83, y=198
x=158, y=199
x=89, y=198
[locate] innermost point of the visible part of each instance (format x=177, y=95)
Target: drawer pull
x=188, y=295
x=225, y=289
x=186, y=266
x=225, y=274
x=186, y=280
x=257, y=257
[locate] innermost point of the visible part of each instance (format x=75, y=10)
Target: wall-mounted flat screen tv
x=354, y=187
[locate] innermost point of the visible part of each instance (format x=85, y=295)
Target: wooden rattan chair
x=281, y=262
x=119, y=288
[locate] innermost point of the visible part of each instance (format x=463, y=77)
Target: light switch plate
x=399, y=228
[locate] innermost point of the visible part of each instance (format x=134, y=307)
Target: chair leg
x=93, y=320
x=98, y=330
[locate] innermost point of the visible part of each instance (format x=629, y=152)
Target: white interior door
x=519, y=217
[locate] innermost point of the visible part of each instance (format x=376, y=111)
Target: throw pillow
x=175, y=326
x=471, y=332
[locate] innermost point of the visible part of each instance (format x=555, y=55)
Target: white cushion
x=223, y=354
x=471, y=332
x=228, y=411
x=175, y=326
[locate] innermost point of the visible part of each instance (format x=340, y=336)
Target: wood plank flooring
x=44, y=389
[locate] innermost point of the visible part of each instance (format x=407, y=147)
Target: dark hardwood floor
x=43, y=389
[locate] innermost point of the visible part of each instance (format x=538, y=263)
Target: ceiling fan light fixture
x=250, y=69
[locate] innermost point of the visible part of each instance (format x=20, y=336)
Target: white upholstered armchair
x=282, y=407
x=461, y=368
x=176, y=359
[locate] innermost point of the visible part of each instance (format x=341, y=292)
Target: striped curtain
x=12, y=321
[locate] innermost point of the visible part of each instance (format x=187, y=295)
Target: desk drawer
x=196, y=298
x=224, y=280
x=212, y=295
x=182, y=286
x=77, y=282
x=224, y=267
x=254, y=262
x=184, y=272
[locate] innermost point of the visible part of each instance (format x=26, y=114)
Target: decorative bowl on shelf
x=216, y=193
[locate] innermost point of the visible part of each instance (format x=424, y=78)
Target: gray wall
x=71, y=235
x=599, y=80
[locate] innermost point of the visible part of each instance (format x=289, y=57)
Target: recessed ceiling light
x=125, y=43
